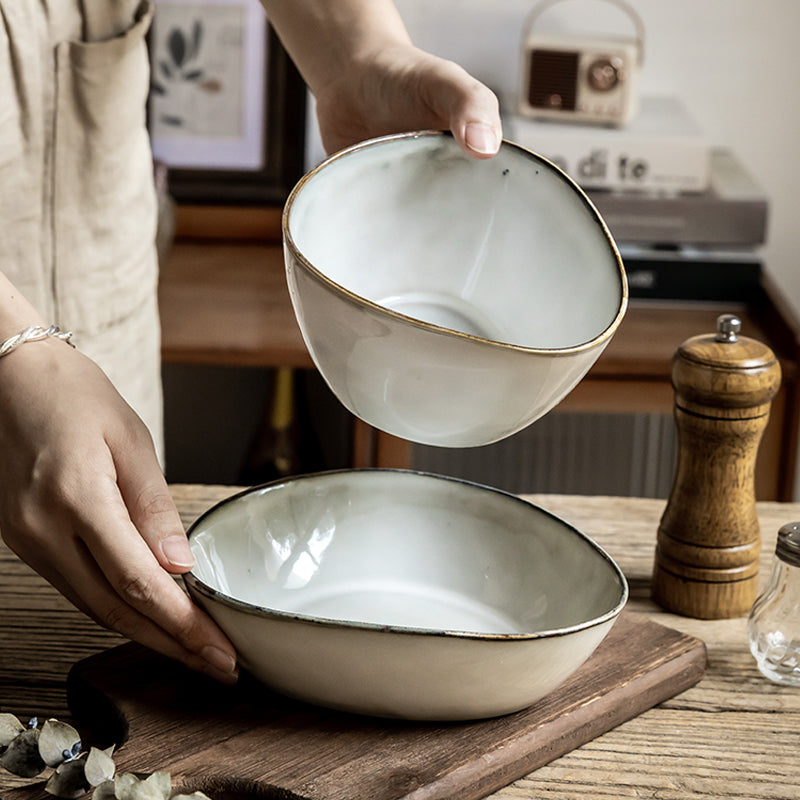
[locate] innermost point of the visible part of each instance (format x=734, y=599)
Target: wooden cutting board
x=247, y=742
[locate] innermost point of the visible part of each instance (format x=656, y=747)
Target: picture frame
x=227, y=106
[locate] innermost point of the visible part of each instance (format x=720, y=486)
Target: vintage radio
x=580, y=77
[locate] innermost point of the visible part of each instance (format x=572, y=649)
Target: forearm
x=324, y=36
x=370, y=80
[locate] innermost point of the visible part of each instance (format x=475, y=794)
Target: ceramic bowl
x=402, y=594
x=447, y=300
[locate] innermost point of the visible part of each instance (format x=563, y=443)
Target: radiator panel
x=629, y=455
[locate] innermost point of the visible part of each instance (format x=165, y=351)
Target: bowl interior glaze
x=404, y=551
x=508, y=249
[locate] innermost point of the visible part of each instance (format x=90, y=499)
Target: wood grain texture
x=198, y=731
x=229, y=224
x=708, y=539
x=734, y=734
x=228, y=305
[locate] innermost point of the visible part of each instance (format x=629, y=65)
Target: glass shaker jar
x=774, y=624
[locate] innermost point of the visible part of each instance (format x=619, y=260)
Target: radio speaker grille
x=553, y=79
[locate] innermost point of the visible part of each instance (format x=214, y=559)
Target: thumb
x=472, y=112
x=479, y=139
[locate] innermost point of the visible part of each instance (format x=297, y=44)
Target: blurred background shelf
x=225, y=308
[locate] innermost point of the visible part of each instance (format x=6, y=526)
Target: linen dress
x=77, y=200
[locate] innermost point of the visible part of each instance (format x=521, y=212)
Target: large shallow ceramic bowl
x=447, y=300
x=402, y=594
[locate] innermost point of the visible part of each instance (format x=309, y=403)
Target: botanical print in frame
x=227, y=107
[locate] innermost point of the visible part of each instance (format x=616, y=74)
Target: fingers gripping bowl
x=447, y=300
x=402, y=594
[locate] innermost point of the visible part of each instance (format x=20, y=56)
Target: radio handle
x=631, y=13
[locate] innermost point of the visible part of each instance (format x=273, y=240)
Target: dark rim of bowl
x=357, y=299
x=196, y=584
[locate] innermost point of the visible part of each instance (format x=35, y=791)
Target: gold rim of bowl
x=357, y=299
x=203, y=588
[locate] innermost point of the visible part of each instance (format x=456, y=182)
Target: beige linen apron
x=77, y=203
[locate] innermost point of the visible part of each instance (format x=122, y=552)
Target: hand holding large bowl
x=447, y=300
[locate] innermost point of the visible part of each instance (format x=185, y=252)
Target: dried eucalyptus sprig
x=79, y=772
x=157, y=786
x=20, y=755
x=10, y=726
x=29, y=751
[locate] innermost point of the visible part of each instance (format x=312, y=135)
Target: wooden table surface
x=733, y=735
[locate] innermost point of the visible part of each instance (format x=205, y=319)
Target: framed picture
x=227, y=107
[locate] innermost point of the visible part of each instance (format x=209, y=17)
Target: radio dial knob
x=604, y=74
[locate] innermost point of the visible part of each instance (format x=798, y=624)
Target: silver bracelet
x=32, y=334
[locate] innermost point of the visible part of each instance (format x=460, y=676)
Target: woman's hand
x=369, y=79
x=402, y=89
x=84, y=502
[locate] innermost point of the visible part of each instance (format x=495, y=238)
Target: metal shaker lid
x=788, y=547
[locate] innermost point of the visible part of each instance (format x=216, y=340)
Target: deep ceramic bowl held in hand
x=447, y=300
x=402, y=594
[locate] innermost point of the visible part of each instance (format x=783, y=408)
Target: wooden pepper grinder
x=707, y=556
